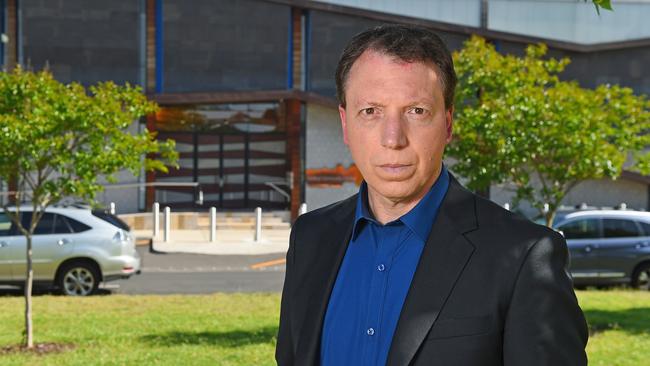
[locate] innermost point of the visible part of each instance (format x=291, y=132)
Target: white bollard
x=213, y=224
x=258, y=224
x=303, y=209
x=112, y=208
x=155, y=210
x=507, y=206
x=168, y=220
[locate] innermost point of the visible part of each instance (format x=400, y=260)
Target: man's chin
x=395, y=191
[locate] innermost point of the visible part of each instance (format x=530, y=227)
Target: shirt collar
x=419, y=219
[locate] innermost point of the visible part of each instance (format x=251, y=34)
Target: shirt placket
x=386, y=239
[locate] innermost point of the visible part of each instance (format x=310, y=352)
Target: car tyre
x=641, y=277
x=78, y=279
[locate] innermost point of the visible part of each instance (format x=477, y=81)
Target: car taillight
x=120, y=236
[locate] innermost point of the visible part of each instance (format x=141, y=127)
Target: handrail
x=278, y=189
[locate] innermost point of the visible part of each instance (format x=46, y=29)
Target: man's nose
x=393, y=135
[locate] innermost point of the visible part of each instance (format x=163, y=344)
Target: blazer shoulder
x=495, y=222
x=323, y=217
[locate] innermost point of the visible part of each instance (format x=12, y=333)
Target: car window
x=5, y=224
x=112, y=219
x=75, y=225
x=580, y=229
x=44, y=226
x=645, y=227
x=620, y=228
x=61, y=225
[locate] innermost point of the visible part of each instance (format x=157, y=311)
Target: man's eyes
x=368, y=111
x=372, y=111
x=417, y=110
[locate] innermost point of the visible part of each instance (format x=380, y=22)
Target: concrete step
x=205, y=220
x=201, y=220
x=247, y=226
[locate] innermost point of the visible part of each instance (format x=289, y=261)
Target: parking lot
x=177, y=273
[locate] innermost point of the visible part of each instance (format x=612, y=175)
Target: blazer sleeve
x=284, y=350
x=544, y=324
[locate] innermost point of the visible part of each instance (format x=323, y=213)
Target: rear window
x=111, y=219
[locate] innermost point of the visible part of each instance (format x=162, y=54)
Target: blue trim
x=290, y=54
x=307, y=48
x=159, y=46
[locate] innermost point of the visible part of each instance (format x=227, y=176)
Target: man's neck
x=385, y=209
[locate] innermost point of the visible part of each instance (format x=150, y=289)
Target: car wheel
x=78, y=279
x=641, y=277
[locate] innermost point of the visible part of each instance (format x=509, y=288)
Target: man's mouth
x=394, y=168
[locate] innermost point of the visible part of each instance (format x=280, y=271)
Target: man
x=416, y=270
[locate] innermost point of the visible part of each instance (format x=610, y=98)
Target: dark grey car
x=608, y=247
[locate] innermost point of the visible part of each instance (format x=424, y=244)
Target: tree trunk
x=550, y=216
x=29, y=336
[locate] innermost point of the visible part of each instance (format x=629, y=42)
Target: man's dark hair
x=405, y=43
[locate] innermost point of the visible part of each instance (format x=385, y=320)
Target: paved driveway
x=176, y=273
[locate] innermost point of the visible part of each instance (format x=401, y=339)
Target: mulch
x=39, y=348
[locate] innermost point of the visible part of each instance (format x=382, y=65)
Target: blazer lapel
x=443, y=259
x=329, y=255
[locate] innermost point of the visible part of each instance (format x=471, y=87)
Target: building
x=247, y=89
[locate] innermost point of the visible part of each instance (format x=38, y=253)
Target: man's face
x=395, y=125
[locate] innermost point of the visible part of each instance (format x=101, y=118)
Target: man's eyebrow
x=367, y=103
x=424, y=99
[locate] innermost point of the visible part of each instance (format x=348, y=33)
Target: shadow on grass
x=233, y=338
x=633, y=321
x=42, y=291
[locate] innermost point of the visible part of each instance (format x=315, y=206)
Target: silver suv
x=74, y=249
x=608, y=247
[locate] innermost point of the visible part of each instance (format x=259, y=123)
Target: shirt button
x=370, y=332
x=381, y=268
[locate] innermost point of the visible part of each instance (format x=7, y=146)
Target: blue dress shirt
x=373, y=280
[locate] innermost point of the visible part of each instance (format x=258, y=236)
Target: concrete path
x=229, y=242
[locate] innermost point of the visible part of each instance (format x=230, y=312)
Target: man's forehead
x=371, y=81
x=373, y=56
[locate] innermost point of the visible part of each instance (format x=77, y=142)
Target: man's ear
x=449, y=123
x=343, y=124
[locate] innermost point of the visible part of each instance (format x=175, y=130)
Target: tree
x=605, y=4
x=58, y=140
x=517, y=121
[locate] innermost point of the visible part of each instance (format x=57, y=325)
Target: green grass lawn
x=239, y=329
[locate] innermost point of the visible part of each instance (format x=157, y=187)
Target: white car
x=73, y=249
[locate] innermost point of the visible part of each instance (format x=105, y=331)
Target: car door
x=51, y=243
x=6, y=247
x=616, y=253
x=582, y=236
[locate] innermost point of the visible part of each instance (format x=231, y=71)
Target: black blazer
x=490, y=289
